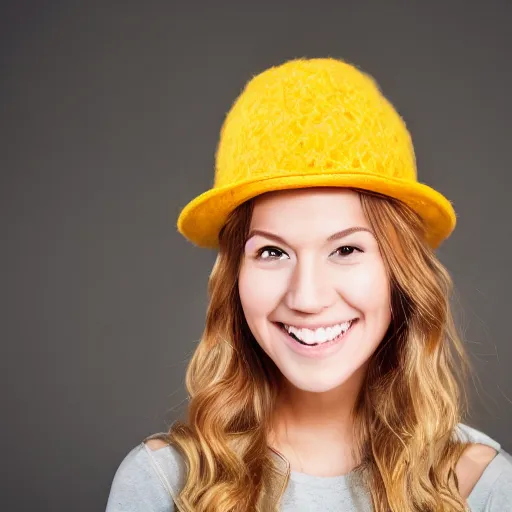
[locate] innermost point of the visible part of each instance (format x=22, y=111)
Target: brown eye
x=346, y=250
x=269, y=253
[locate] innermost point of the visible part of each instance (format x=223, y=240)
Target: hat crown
x=312, y=123
x=311, y=116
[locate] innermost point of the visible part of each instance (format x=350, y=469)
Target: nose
x=309, y=288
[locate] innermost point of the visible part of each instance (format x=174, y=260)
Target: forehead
x=308, y=212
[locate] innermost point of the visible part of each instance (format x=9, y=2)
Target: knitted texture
x=309, y=123
x=312, y=116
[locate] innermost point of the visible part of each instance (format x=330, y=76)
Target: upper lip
x=317, y=326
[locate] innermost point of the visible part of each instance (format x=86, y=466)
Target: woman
x=330, y=375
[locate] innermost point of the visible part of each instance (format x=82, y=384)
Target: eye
x=269, y=253
x=346, y=250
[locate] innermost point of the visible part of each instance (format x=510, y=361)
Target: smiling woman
x=313, y=285
x=330, y=374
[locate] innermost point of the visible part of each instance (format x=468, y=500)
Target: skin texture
x=308, y=280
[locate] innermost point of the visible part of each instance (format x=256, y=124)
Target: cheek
x=260, y=291
x=368, y=288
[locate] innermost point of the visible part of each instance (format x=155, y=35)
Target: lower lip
x=317, y=351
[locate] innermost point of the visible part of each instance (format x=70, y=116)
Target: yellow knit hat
x=310, y=123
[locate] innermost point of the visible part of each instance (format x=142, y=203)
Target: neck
x=330, y=415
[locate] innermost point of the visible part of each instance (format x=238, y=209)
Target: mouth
x=323, y=337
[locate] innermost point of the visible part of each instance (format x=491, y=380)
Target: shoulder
x=471, y=466
x=484, y=472
x=156, y=444
x=146, y=479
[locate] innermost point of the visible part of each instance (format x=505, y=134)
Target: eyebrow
x=336, y=236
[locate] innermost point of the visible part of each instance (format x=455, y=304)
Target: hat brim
x=202, y=218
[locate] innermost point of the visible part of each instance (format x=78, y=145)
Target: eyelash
x=272, y=248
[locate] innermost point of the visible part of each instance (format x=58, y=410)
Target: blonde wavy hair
x=407, y=409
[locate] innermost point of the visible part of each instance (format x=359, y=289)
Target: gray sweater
x=146, y=480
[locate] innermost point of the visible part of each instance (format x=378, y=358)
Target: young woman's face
x=303, y=279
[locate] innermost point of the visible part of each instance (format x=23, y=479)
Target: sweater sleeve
x=493, y=492
x=500, y=495
x=137, y=487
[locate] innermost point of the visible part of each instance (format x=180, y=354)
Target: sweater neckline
x=317, y=480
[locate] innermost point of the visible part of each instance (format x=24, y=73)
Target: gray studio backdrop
x=110, y=114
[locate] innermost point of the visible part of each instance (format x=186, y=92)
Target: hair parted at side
x=412, y=399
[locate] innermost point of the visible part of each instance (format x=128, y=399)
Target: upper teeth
x=318, y=335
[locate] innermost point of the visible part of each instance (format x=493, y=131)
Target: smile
x=317, y=336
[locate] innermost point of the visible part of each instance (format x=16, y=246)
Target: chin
x=320, y=384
